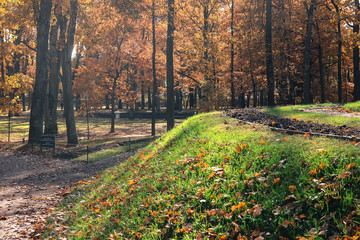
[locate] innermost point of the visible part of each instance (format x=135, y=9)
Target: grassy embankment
x=321, y=118
x=213, y=178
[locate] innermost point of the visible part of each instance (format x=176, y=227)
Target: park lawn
x=99, y=129
x=294, y=112
x=213, y=178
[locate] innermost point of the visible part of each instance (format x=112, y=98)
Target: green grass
x=107, y=153
x=354, y=106
x=212, y=178
x=293, y=111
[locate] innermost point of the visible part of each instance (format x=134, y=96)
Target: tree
x=307, y=65
x=39, y=96
x=154, y=93
x=232, y=55
x=269, y=54
x=356, y=54
x=67, y=73
x=339, y=51
x=170, y=66
x=51, y=126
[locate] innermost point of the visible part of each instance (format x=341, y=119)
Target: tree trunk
x=269, y=54
x=321, y=66
x=107, y=102
x=170, y=66
x=232, y=55
x=142, y=96
x=356, y=61
x=2, y=67
x=51, y=126
x=339, y=53
x=149, y=98
x=41, y=79
x=120, y=106
x=154, y=93
x=24, y=71
x=241, y=100
x=307, y=64
x=113, y=92
x=66, y=80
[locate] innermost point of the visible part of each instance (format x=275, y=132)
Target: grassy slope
x=292, y=111
x=197, y=181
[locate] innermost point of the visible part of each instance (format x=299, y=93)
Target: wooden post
x=87, y=154
x=9, y=126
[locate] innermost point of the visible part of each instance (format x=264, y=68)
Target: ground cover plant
x=303, y=112
x=214, y=178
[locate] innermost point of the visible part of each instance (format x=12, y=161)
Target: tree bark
x=149, y=98
x=170, y=66
x=307, y=64
x=339, y=53
x=2, y=67
x=232, y=54
x=41, y=79
x=66, y=80
x=113, y=92
x=142, y=95
x=321, y=66
x=356, y=58
x=154, y=93
x=269, y=54
x=51, y=126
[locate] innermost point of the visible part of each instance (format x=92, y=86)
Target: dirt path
x=332, y=111
x=31, y=186
x=255, y=116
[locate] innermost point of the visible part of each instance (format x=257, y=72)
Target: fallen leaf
x=292, y=188
x=350, y=166
x=257, y=210
x=276, y=180
x=343, y=175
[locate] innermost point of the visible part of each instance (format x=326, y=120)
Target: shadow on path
x=31, y=186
